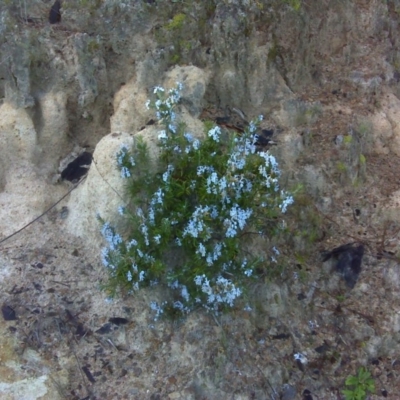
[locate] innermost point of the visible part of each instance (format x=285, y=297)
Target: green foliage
x=340, y=298
x=359, y=386
x=341, y=166
x=174, y=59
x=177, y=22
x=347, y=139
x=295, y=4
x=192, y=214
x=93, y=45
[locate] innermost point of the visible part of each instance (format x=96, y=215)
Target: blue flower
x=125, y=173
x=157, y=239
x=158, y=89
x=185, y=293
x=121, y=210
x=172, y=128
x=285, y=203
x=188, y=137
x=133, y=242
x=215, y=133
x=201, y=250
x=167, y=173
x=162, y=135
x=104, y=256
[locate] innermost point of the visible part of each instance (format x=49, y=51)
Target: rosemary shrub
x=191, y=211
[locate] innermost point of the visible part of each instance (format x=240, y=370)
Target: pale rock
x=24, y=194
x=386, y=126
x=26, y=389
x=53, y=135
x=383, y=133
x=19, y=383
x=391, y=105
x=18, y=137
x=271, y=300
x=102, y=192
x=194, y=81
x=130, y=110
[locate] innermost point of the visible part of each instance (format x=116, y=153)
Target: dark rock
x=300, y=365
x=88, y=374
x=267, y=133
x=37, y=286
x=301, y=296
x=348, y=259
x=118, y=321
x=280, y=336
x=55, y=14
x=307, y=395
x=263, y=137
x=8, y=313
x=106, y=328
x=64, y=212
x=222, y=120
x=80, y=330
x=322, y=349
x=77, y=168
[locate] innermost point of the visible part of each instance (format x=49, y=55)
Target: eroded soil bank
x=326, y=78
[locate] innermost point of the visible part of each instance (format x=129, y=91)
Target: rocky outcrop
x=325, y=76
x=103, y=192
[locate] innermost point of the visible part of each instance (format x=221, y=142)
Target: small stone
x=118, y=321
x=64, y=212
x=288, y=392
x=106, y=328
x=322, y=349
x=338, y=140
x=301, y=296
x=307, y=395
x=8, y=313
x=348, y=259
